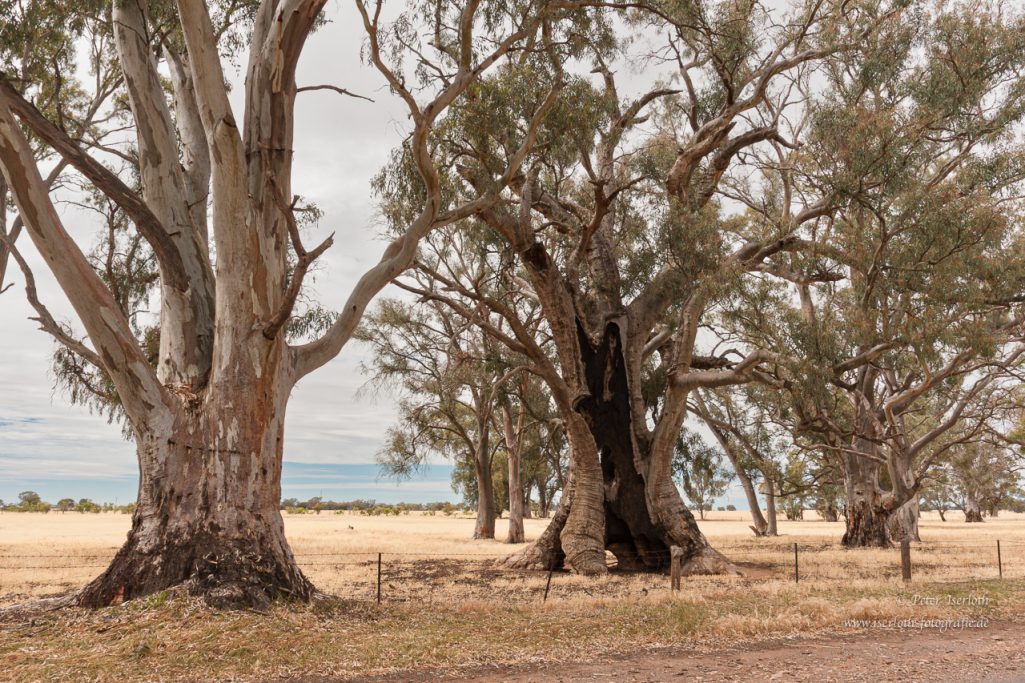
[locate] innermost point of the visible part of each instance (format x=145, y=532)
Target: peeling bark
x=972, y=511
x=208, y=419
x=866, y=516
x=902, y=523
x=207, y=517
x=771, y=528
x=546, y=552
x=513, y=442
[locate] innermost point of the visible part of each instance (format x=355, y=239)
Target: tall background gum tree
x=462, y=393
x=618, y=229
x=204, y=394
x=918, y=269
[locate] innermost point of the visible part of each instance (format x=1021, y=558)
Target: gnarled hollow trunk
x=866, y=516
x=624, y=499
x=207, y=516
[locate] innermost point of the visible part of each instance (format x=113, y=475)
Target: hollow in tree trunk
x=624, y=499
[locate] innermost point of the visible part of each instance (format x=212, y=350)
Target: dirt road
x=994, y=654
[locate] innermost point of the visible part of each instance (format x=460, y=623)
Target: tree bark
x=866, y=517
x=644, y=514
x=485, y=526
x=546, y=552
x=513, y=442
x=902, y=523
x=759, y=526
x=972, y=511
x=207, y=515
x=771, y=528
x=515, y=500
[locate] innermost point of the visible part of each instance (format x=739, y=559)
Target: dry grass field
x=447, y=606
x=434, y=558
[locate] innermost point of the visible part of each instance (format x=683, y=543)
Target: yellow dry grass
x=434, y=557
x=447, y=607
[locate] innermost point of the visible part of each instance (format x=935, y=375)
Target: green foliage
x=699, y=468
x=86, y=505
x=29, y=501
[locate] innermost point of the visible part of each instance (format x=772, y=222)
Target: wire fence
x=390, y=576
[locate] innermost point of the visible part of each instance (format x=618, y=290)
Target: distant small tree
x=938, y=493
x=31, y=502
x=699, y=468
x=66, y=504
x=982, y=479
x=86, y=505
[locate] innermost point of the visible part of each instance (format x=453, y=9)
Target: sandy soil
x=994, y=654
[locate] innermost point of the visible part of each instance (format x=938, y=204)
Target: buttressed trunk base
x=972, y=511
x=207, y=520
x=642, y=514
x=866, y=516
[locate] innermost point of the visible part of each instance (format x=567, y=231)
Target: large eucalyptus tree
x=917, y=142
x=619, y=230
x=205, y=402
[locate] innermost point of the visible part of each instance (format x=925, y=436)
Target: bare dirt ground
x=994, y=654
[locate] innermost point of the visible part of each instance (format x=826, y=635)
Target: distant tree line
x=30, y=501
x=316, y=505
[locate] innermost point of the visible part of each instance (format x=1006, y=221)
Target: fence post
x=905, y=560
x=797, y=571
x=1000, y=562
x=378, y=578
x=675, y=567
x=548, y=584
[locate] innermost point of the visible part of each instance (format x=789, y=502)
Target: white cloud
x=340, y=144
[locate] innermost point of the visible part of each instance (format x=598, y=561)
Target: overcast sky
x=340, y=143
x=60, y=450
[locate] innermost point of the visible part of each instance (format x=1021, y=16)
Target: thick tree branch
x=149, y=225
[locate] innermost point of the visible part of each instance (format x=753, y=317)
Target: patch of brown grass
x=448, y=605
x=177, y=638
